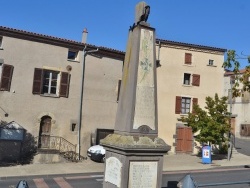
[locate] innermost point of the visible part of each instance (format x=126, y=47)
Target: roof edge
x=191, y=45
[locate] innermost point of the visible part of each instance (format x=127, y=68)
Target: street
x=210, y=177
x=242, y=146
x=87, y=180
x=169, y=179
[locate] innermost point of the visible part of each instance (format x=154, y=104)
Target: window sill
x=49, y=95
x=185, y=85
x=188, y=65
x=71, y=60
x=211, y=65
x=1, y=48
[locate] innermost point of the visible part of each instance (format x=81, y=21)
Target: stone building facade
x=41, y=79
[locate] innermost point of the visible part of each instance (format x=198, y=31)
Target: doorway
x=44, y=132
x=184, y=140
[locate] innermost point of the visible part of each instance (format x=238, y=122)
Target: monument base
x=133, y=161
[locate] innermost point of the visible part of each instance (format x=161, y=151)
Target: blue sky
x=217, y=23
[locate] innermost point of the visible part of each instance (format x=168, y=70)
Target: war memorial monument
x=134, y=153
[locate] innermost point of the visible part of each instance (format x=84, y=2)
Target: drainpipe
x=85, y=52
x=158, y=58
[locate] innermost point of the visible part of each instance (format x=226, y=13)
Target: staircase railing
x=59, y=144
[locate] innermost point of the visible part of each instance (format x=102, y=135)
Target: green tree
x=211, y=123
x=233, y=65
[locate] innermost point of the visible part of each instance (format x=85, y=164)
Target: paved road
x=215, y=178
x=242, y=146
x=169, y=180
x=56, y=181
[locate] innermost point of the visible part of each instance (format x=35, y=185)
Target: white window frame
x=184, y=104
x=50, y=80
x=211, y=62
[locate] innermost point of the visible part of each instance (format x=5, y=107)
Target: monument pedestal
x=133, y=161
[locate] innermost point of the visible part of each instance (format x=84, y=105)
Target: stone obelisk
x=134, y=153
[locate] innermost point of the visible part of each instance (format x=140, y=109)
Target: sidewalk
x=171, y=163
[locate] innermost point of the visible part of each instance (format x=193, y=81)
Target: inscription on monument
x=145, y=91
x=143, y=174
x=113, y=171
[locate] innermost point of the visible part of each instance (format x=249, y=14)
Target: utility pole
x=85, y=53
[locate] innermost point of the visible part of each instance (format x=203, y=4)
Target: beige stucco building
x=41, y=86
x=187, y=75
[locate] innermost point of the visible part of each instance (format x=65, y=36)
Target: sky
x=216, y=23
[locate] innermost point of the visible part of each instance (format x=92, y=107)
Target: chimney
x=84, y=35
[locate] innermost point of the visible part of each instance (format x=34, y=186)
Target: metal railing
x=59, y=144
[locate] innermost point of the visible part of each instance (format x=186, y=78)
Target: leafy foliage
x=233, y=64
x=212, y=123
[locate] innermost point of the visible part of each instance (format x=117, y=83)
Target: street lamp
x=85, y=53
x=229, y=154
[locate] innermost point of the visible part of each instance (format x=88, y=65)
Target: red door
x=184, y=142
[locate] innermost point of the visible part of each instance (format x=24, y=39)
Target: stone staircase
x=57, y=150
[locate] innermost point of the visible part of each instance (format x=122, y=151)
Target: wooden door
x=184, y=141
x=45, y=128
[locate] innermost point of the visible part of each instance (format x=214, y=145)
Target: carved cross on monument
x=134, y=153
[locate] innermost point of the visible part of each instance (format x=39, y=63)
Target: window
x=211, y=62
x=188, y=58
x=232, y=79
x=73, y=127
x=186, y=80
x=195, y=79
x=72, y=55
x=51, y=83
x=183, y=104
x=6, y=72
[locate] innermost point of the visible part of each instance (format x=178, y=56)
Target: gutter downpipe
x=159, y=50
x=81, y=98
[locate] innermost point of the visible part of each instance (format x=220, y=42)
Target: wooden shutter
x=196, y=80
x=178, y=105
x=7, y=72
x=37, y=81
x=188, y=58
x=232, y=79
x=64, y=84
x=195, y=102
